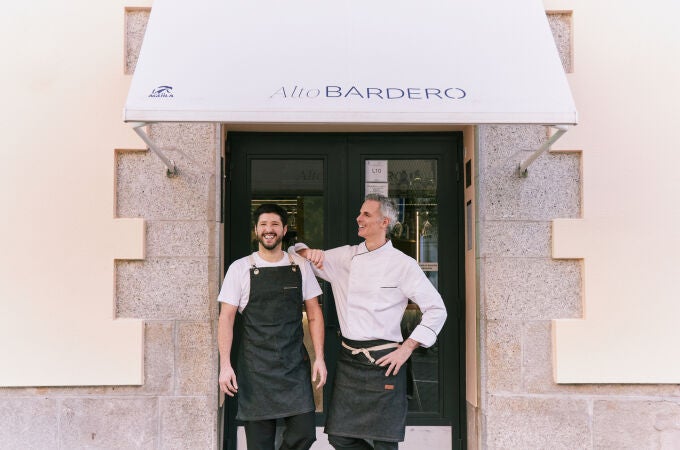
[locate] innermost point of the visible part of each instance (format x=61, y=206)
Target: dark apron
x=365, y=403
x=273, y=369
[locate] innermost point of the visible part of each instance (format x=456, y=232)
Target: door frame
x=403, y=145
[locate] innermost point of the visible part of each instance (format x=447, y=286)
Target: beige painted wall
x=625, y=84
x=63, y=93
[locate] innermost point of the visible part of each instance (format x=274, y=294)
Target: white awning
x=350, y=61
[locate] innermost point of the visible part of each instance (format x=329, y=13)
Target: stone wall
x=173, y=290
x=522, y=289
x=175, y=287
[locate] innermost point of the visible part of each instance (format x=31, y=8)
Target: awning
x=350, y=61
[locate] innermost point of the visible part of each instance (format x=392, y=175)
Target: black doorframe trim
x=453, y=397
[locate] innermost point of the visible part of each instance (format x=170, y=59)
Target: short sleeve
x=310, y=286
x=232, y=289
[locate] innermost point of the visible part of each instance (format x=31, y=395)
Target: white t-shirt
x=236, y=287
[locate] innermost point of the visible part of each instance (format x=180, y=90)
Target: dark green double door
x=321, y=179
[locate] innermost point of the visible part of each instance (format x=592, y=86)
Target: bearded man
x=273, y=370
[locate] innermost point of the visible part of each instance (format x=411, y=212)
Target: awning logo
x=371, y=93
x=162, y=91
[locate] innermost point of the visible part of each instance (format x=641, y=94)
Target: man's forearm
x=225, y=337
x=411, y=344
x=317, y=332
x=316, y=326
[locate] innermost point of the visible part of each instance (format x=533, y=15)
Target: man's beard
x=277, y=241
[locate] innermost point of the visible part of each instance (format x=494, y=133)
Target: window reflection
x=413, y=186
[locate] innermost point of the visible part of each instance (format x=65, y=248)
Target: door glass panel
x=297, y=186
x=412, y=183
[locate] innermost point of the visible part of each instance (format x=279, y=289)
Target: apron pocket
x=381, y=383
x=292, y=305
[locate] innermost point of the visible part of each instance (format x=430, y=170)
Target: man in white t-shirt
x=273, y=369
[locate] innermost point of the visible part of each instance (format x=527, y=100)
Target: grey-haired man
x=372, y=283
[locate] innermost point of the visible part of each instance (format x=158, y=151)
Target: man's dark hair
x=266, y=208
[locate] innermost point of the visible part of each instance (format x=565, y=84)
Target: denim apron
x=365, y=403
x=273, y=366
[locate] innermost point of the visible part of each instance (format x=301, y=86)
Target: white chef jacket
x=372, y=289
x=236, y=287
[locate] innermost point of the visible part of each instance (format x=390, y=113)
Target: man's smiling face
x=270, y=230
x=371, y=223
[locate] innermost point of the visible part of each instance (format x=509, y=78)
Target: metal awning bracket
x=170, y=164
x=523, y=170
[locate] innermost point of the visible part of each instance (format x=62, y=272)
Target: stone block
x=532, y=289
x=537, y=358
x=128, y=423
x=561, y=27
x=503, y=356
x=27, y=423
x=472, y=426
x=188, y=423
x=432, y=437
x=159, y=357
x=537, y=423
x=196, y=359
x=144, y=190
x=215, y=278
x=625, y=424
x=175, y=239
x=214, y=241
x=498, y=143
x=163, y=289
x=516, y=238
x=214, y=237
x=552, y=189
x=196, y=145
x=135, y=27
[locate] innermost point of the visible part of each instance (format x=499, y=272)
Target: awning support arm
x=523, y=170
x=170, y=164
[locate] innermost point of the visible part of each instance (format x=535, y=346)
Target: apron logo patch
x=389, y=387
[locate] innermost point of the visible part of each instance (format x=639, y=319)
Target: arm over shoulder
x=334, y=260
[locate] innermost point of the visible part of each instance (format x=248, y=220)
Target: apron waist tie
x=367, y=351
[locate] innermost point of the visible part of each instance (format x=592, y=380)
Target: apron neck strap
x=290, y=258
x=251, y=260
